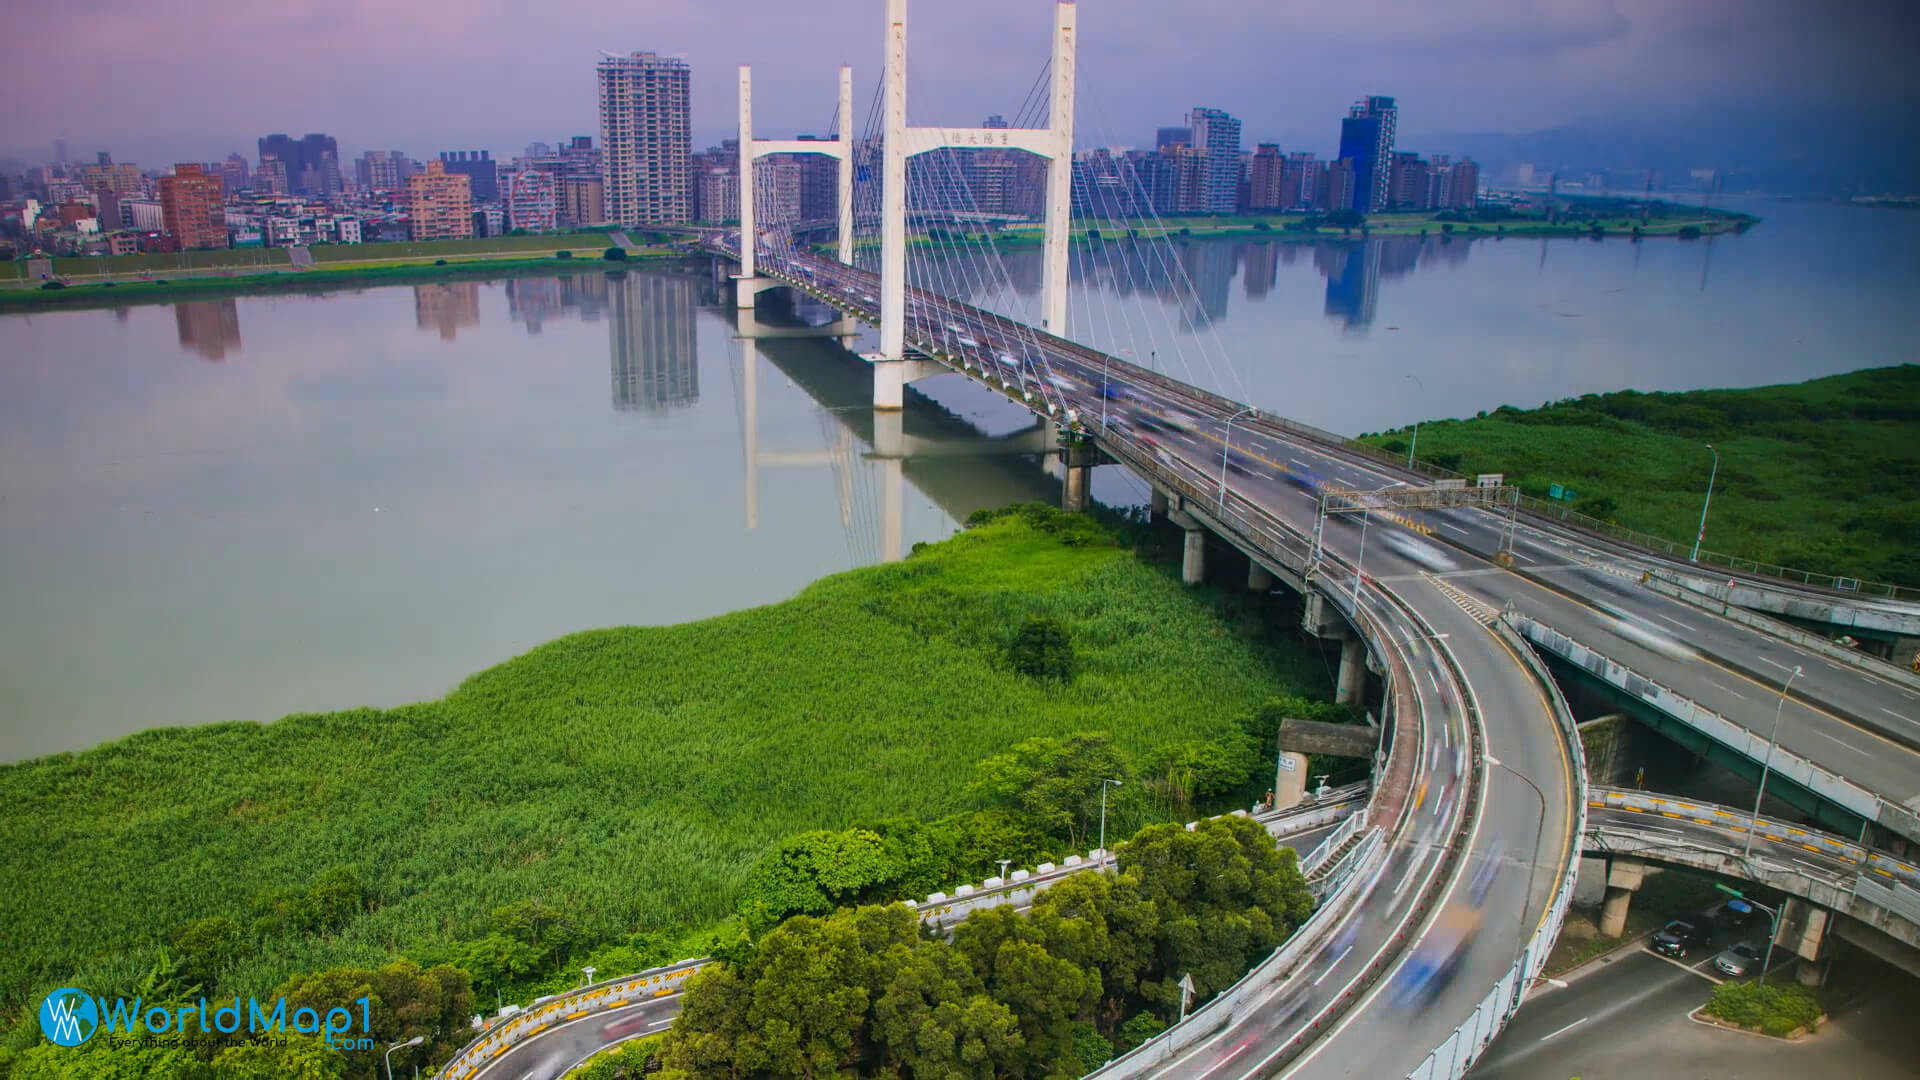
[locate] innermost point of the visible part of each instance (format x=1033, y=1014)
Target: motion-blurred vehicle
x=1241, y=464
x=1735, y=916
x=1436, y=960
x=1678, y=937
x=1645, y=636
x=1306, y=479
x=1416, y=550
x=626, y=1026
x=1740, y=958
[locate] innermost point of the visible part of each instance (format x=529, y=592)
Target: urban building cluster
x=644, y=172
x=296, y=192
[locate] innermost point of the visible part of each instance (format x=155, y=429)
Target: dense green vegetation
x=607, y=798
x=254, y=258
x=1093, y=968
x=1776, y=1008
x=322, y=278
x=1820, y=475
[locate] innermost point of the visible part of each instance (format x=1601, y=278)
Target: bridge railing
x=1457, y=1053
x=1822, y=782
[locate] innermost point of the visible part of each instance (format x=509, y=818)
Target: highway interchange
x=1519, y=846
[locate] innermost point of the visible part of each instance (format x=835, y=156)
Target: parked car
x=1678, y=937
x=1743, y=958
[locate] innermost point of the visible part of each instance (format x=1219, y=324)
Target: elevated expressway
x=1446, y=812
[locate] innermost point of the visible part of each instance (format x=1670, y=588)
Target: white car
x=967, y=342
x=1420, y=551
x=1647, y=637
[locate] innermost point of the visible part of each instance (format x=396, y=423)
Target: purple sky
x=155, y=79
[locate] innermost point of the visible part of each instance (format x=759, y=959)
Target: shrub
x=54, y=285
x=563, y=254
x=1775, y=1008
x=439, y=262
x=615, y=254
x=1043, y=650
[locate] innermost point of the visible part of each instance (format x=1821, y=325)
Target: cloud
x=439, y=74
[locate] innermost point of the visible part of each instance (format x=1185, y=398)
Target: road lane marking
x=1775, y=663
x=1691, y=969
x=1891, y=713
x=1677, y=622
x=1335, y=964
x=1566, y=1029
x=1728, y=689
x=1224, y=1060
x=1843, y=742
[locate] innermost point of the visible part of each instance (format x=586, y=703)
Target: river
x=235, y=509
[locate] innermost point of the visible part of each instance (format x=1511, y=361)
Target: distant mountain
x=1788, y=151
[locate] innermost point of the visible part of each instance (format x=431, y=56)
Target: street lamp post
x=415, y=1041
x=1416, y=422
x=1226, y=447
x=1004, y=863
x=588, y=972
x=1104, y=785
x=1365, y=516
x=1773, y=925
x=1767, y=766
x=1533, y=863
x=1708, y=501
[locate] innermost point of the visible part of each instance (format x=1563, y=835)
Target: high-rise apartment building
x=192, y=208
x=311, y=162
x=483, y=176
x=1341, y=187
x=271, y=176
x=1300, y=181
x=532, y=202
x=376, y=171
x=234, y=174
x=1463, y=186
x=439, y=205
x=1264, y=178
x=719, y=195
x=582, y=201
x=1172, y=136
x=1366, y=138
x=1407, y=182
x=646, y=138
x=1219, y=135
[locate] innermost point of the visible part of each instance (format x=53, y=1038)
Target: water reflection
x=655, y=365
x=208, y=327
x=446, y=307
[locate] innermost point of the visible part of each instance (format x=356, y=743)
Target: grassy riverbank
x=1819, y=475
x=629, y=777
x=324, y=276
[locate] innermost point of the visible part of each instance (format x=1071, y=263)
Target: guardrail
x=1824, y=783
x=1457, y=1053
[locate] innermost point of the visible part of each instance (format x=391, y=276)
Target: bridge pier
x=1623, y=880
x=1193, y=557
x=890, y=379
x=1077, y=462
x=1157, y=505
x=747, y=289
x=1351, y=689
x=1259, y=578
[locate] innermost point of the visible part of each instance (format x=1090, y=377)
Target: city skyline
x=1556, y=63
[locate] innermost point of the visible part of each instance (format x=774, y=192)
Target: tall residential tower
x=1219, y=135
x=646, y=138
x=1366, y=137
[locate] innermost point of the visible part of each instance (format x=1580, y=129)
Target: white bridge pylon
x=1053, y=142
x=748, y=284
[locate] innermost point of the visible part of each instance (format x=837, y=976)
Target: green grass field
x=629, y=776
x=1821, y=475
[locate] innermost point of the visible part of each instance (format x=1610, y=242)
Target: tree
x=813, y=872
x=1043, y=649
x=934, y=1018
x=1054, y=783
x=207, y=947
x=615, y=254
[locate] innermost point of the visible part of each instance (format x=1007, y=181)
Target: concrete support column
x=1289, y=780
x=1352, y=687
x=1258, y=578
x=1073, y=489
x=1193, y=560
x=1157, y=504
x=890, y=379
x=1613, y=912
x=1811, y=972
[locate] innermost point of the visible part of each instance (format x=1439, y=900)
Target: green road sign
x=1555, y=491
